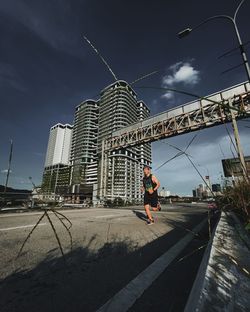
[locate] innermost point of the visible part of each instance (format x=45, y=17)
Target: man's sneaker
x=150, y=222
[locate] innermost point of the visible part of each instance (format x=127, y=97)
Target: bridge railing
x=205, y=112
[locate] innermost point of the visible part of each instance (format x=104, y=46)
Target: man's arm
x=156, y=181
x=142, y=187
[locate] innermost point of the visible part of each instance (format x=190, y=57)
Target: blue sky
x=46, y=69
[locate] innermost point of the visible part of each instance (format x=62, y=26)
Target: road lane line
x=21, y=227
x=65, y=211
x=112, y=215
x=126, y=297
x=23, y=214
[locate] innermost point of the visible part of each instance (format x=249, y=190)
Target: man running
x=150, y=186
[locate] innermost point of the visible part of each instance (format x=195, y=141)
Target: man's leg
x=158, y=208
x=155, y=204
x=146, y=207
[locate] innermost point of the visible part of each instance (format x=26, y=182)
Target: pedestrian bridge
x=204, y=112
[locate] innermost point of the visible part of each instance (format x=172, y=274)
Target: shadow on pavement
x=77, y=284
x=140, y=215
x=89, y=279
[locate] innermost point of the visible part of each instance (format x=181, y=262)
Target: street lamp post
x=187, y=31
x=9, y=167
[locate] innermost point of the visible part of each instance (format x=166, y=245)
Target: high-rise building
x=204, y=190
x=56, y=175
x=83, y=156
x=200, y=191
x=81, y=168
x=119, y=108
x=58, y=150
x=144, y=150
x=143, y=112
x=208, y=187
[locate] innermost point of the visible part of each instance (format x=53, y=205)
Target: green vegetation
x=237, y=198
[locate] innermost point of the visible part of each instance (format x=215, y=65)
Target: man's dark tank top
x=149, y=184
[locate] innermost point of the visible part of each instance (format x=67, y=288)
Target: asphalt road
x=111, y=248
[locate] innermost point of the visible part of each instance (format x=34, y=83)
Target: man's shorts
x=151, y=199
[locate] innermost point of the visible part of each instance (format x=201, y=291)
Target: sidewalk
x=226, y=286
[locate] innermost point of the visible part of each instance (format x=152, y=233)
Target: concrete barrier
x=223, y=280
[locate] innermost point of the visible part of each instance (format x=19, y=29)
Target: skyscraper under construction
x=118, y=107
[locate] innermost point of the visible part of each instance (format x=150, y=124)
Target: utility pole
x=34, y=189
x=9, y=166
x=238, y=143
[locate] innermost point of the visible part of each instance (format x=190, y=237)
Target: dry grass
x=237, y=198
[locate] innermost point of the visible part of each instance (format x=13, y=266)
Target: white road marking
x=31, y=225
x=21, y=227
x=24, y=214
x=126, y=297
x=111, y=215
x=9, y=209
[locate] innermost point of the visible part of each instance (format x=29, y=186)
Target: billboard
x=232, y=167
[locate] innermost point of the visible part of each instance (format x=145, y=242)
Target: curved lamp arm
x=188, y=30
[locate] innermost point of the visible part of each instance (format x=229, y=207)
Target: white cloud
x=168, y=95
x=181, y=73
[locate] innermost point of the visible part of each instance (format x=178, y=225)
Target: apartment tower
x=83, y=156
x=119, y=108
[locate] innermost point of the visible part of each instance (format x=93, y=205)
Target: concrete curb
x=241, y=231
x=198, y=284
x=221, y=283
